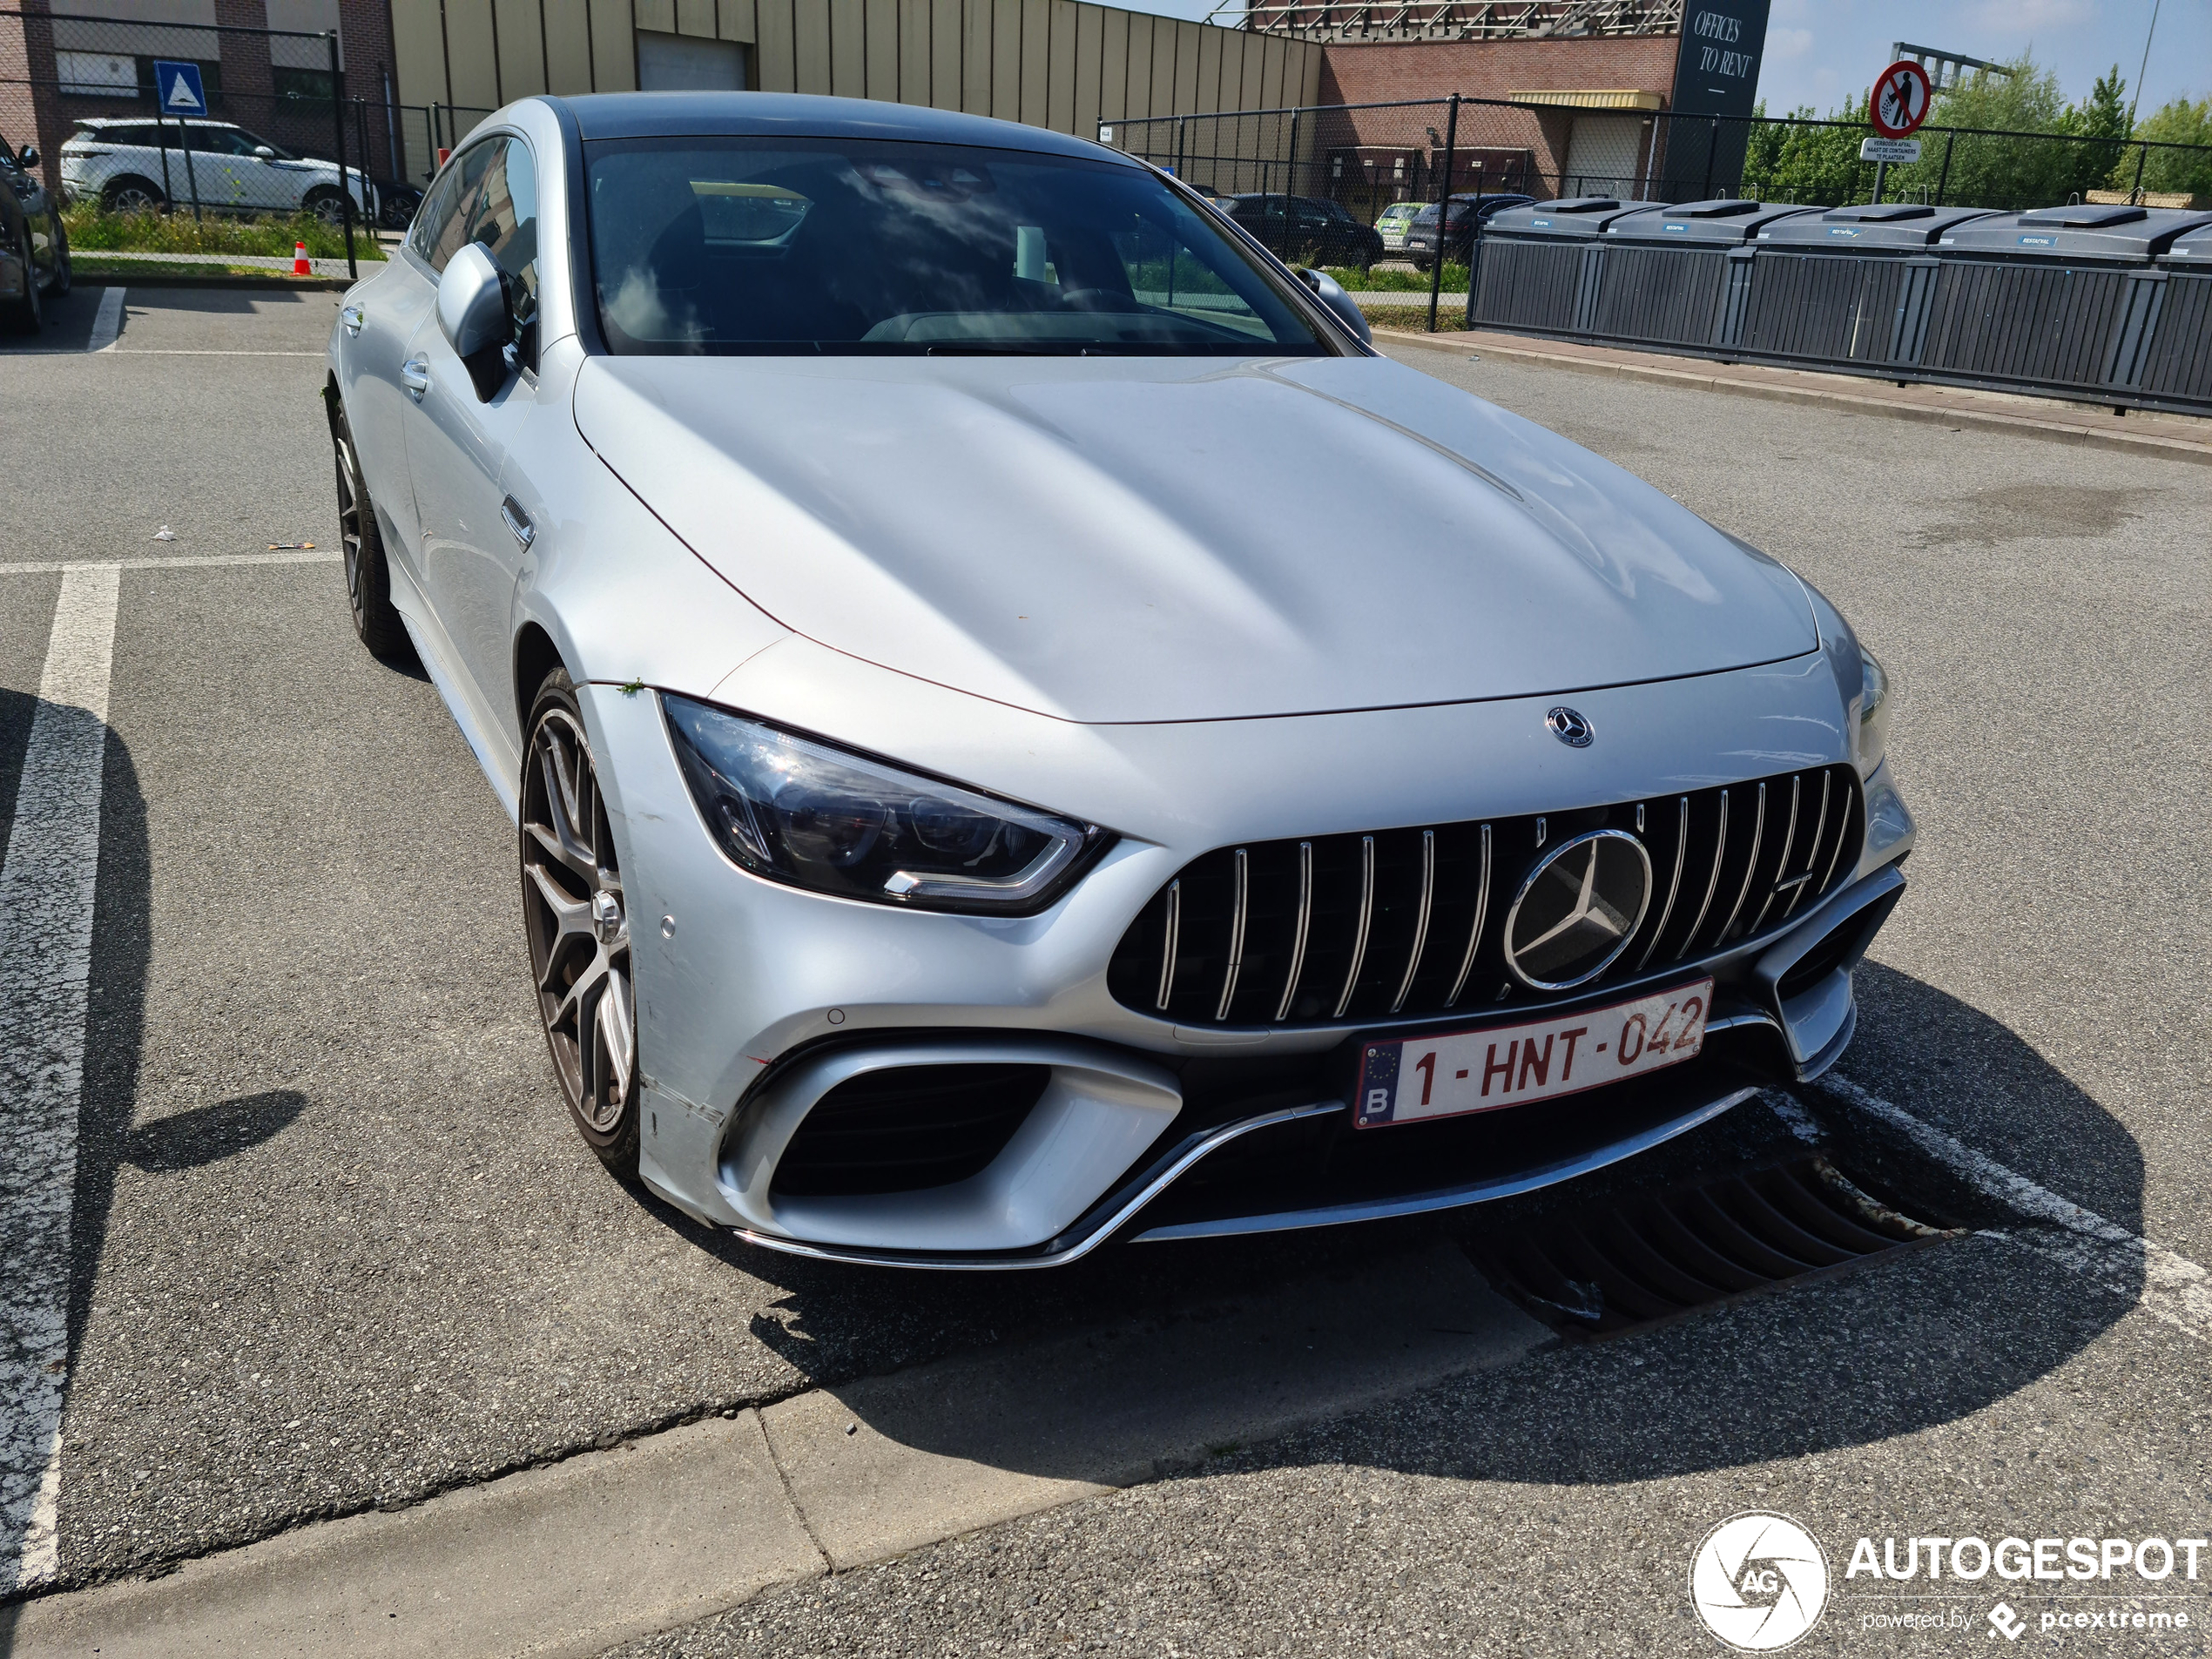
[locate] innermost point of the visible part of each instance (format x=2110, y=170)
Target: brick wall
x=1379, y=73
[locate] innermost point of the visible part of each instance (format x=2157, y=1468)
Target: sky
x=1820, y=51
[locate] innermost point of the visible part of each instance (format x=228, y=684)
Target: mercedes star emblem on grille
x=1577, y=909
x=1568, y=727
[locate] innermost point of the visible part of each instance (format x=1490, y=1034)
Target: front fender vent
x=1410, y=923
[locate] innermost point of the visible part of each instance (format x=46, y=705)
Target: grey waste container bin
x=1848, y=287
x=2059, y=298
x=1679, y=275
x=1535, y=268
x=2177, y=364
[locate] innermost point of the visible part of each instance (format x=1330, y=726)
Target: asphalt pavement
x=335, y=1246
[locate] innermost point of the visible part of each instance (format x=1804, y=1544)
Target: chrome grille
x=1405, y=923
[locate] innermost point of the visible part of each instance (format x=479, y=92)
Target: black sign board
x=1716, y=75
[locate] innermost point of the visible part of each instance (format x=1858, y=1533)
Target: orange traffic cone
x=299, y=265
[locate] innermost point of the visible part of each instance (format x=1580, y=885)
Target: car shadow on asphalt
x=1897, y=1345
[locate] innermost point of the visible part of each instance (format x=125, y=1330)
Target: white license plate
x=1406, y=1081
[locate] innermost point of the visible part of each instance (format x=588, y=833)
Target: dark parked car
x=397, y=202
x=1467, y=211
x=1305, y=227
x=34, y=248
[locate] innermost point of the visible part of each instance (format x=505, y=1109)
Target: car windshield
x=867, y=247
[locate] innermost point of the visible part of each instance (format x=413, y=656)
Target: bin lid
x=1872, y=227
x=2192, y=247
x=2092, y=230
x=1569, y=216
x=1726, y=221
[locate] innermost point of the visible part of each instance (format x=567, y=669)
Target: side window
x=441, y=228
x=504, y=218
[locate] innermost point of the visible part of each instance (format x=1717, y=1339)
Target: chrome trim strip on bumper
x=1098, y=1234
x=1455, y=1197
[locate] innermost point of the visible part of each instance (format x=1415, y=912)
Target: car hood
x=1118, y=540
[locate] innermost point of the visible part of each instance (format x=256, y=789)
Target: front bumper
x=756, y=1000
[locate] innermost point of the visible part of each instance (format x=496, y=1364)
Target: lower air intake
x=906, y=1128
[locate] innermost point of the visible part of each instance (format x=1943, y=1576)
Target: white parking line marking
x=109, y=323
x=164, y=562
x=47, y=885
x=186, y=351
x=2166, y=1285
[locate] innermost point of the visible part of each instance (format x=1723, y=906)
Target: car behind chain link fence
x=1351, y=186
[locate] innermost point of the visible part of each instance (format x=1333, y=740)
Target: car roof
x=654, y=115
x=96, y=121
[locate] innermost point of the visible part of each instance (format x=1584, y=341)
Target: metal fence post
x=1712, y=148
x=338, y=130
x=1444, y=212
x=2135, y=191
x=191, y=177
x=1944, y=180
x=1290, y=168
x=161, y=132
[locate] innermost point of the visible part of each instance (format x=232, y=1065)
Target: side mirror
x=477, y=316
x=265, y=153
x=27, y=158
x=1330, y=294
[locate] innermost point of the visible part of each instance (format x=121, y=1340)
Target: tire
x=578, y=928
x=368, y=580
x=28, y=314
x=131, y=194
x=327, y=203
x=63, y=275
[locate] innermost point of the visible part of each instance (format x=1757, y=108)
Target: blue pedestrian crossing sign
x=176, y=88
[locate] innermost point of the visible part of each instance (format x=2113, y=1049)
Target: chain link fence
x=1343, y=186
x=281, y=132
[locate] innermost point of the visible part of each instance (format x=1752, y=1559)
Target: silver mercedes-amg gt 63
x=988, y=781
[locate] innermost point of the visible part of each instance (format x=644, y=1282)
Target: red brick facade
x=1376, y=74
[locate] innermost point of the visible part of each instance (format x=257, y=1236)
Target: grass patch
x=1379, y=281
x=1451, y=313
x=91, y=230
x=83, y=266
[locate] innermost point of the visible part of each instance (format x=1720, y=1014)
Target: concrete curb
x=609, y=1547
x=1937, y=405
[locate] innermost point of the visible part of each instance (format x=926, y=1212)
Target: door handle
x=350, y=318
x=415, y=373
x=518, y=520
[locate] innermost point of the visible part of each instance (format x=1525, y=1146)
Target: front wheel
x=28, y=314
x=327, y=205
x=578, y=927
x=369, y=581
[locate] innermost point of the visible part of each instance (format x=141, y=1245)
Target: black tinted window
x=820, y=245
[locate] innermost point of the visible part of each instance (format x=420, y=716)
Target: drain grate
x=1611, y=1269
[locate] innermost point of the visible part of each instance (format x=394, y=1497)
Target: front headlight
x=795, y=810
x=1873, y=707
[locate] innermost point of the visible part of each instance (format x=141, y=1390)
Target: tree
x=2179, y=122
x=1816, y=166
x=2019, y=143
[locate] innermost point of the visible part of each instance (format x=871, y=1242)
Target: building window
x=687, y=63
x=98, y=74
x=308, y=85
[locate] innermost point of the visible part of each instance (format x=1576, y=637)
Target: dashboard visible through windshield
x=784, y=246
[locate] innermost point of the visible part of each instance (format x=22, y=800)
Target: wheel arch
x=536, y=655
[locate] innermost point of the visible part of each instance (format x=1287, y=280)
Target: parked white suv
x=134, y=164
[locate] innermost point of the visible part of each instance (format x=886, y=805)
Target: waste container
x=1680, y=275
x=1848, y=287
x=2177, y=364
x=2059, y=299
x=1535, y=267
